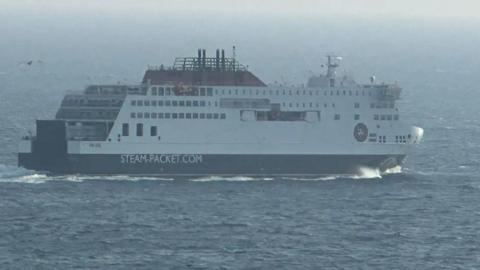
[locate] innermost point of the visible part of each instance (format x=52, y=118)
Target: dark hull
x=169, y=164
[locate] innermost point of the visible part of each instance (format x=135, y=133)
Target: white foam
x=367, y=173
x=395, y=170
x=238, y=178
x=313, y=178
x=16, y=174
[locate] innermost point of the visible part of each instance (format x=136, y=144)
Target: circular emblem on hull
x=360, y=132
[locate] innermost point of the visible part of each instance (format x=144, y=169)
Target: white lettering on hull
x=160, y=159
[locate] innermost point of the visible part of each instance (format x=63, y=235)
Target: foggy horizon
x=466, y=9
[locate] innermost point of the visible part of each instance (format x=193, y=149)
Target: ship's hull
x=198, y=164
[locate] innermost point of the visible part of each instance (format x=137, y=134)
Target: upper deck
x=203, y=70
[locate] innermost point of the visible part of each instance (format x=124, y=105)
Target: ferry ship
x=212, y=116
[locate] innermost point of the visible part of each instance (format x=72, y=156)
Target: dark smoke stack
x=223, y=59
x=217, y=60
x=204, y=64
x=199, y=59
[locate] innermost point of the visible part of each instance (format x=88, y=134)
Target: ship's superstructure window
x=134, y=102
x=357, y=117
x=139, y=129
x=357, y=105
x=133, y=115
x=161, y=91
x=153, y=131
x=125, y=129
x=154, y=91
x=337, y=117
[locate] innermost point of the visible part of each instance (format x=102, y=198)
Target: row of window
x=173, y=103
x=190, y=91
x=139, y=130
x=402, y=139
x=386, y=117
x=382, y=105
x=203, y=103
x=162, y=115
x=195, y=91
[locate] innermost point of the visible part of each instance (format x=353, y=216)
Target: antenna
x=234, y=55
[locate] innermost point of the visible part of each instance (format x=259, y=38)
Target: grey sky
x=428, y=8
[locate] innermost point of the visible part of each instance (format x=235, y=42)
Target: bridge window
x=209, y=92
x=132, y=115
x=134, y=102
x=154, y=91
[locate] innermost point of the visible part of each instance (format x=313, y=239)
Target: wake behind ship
x=210, y=115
